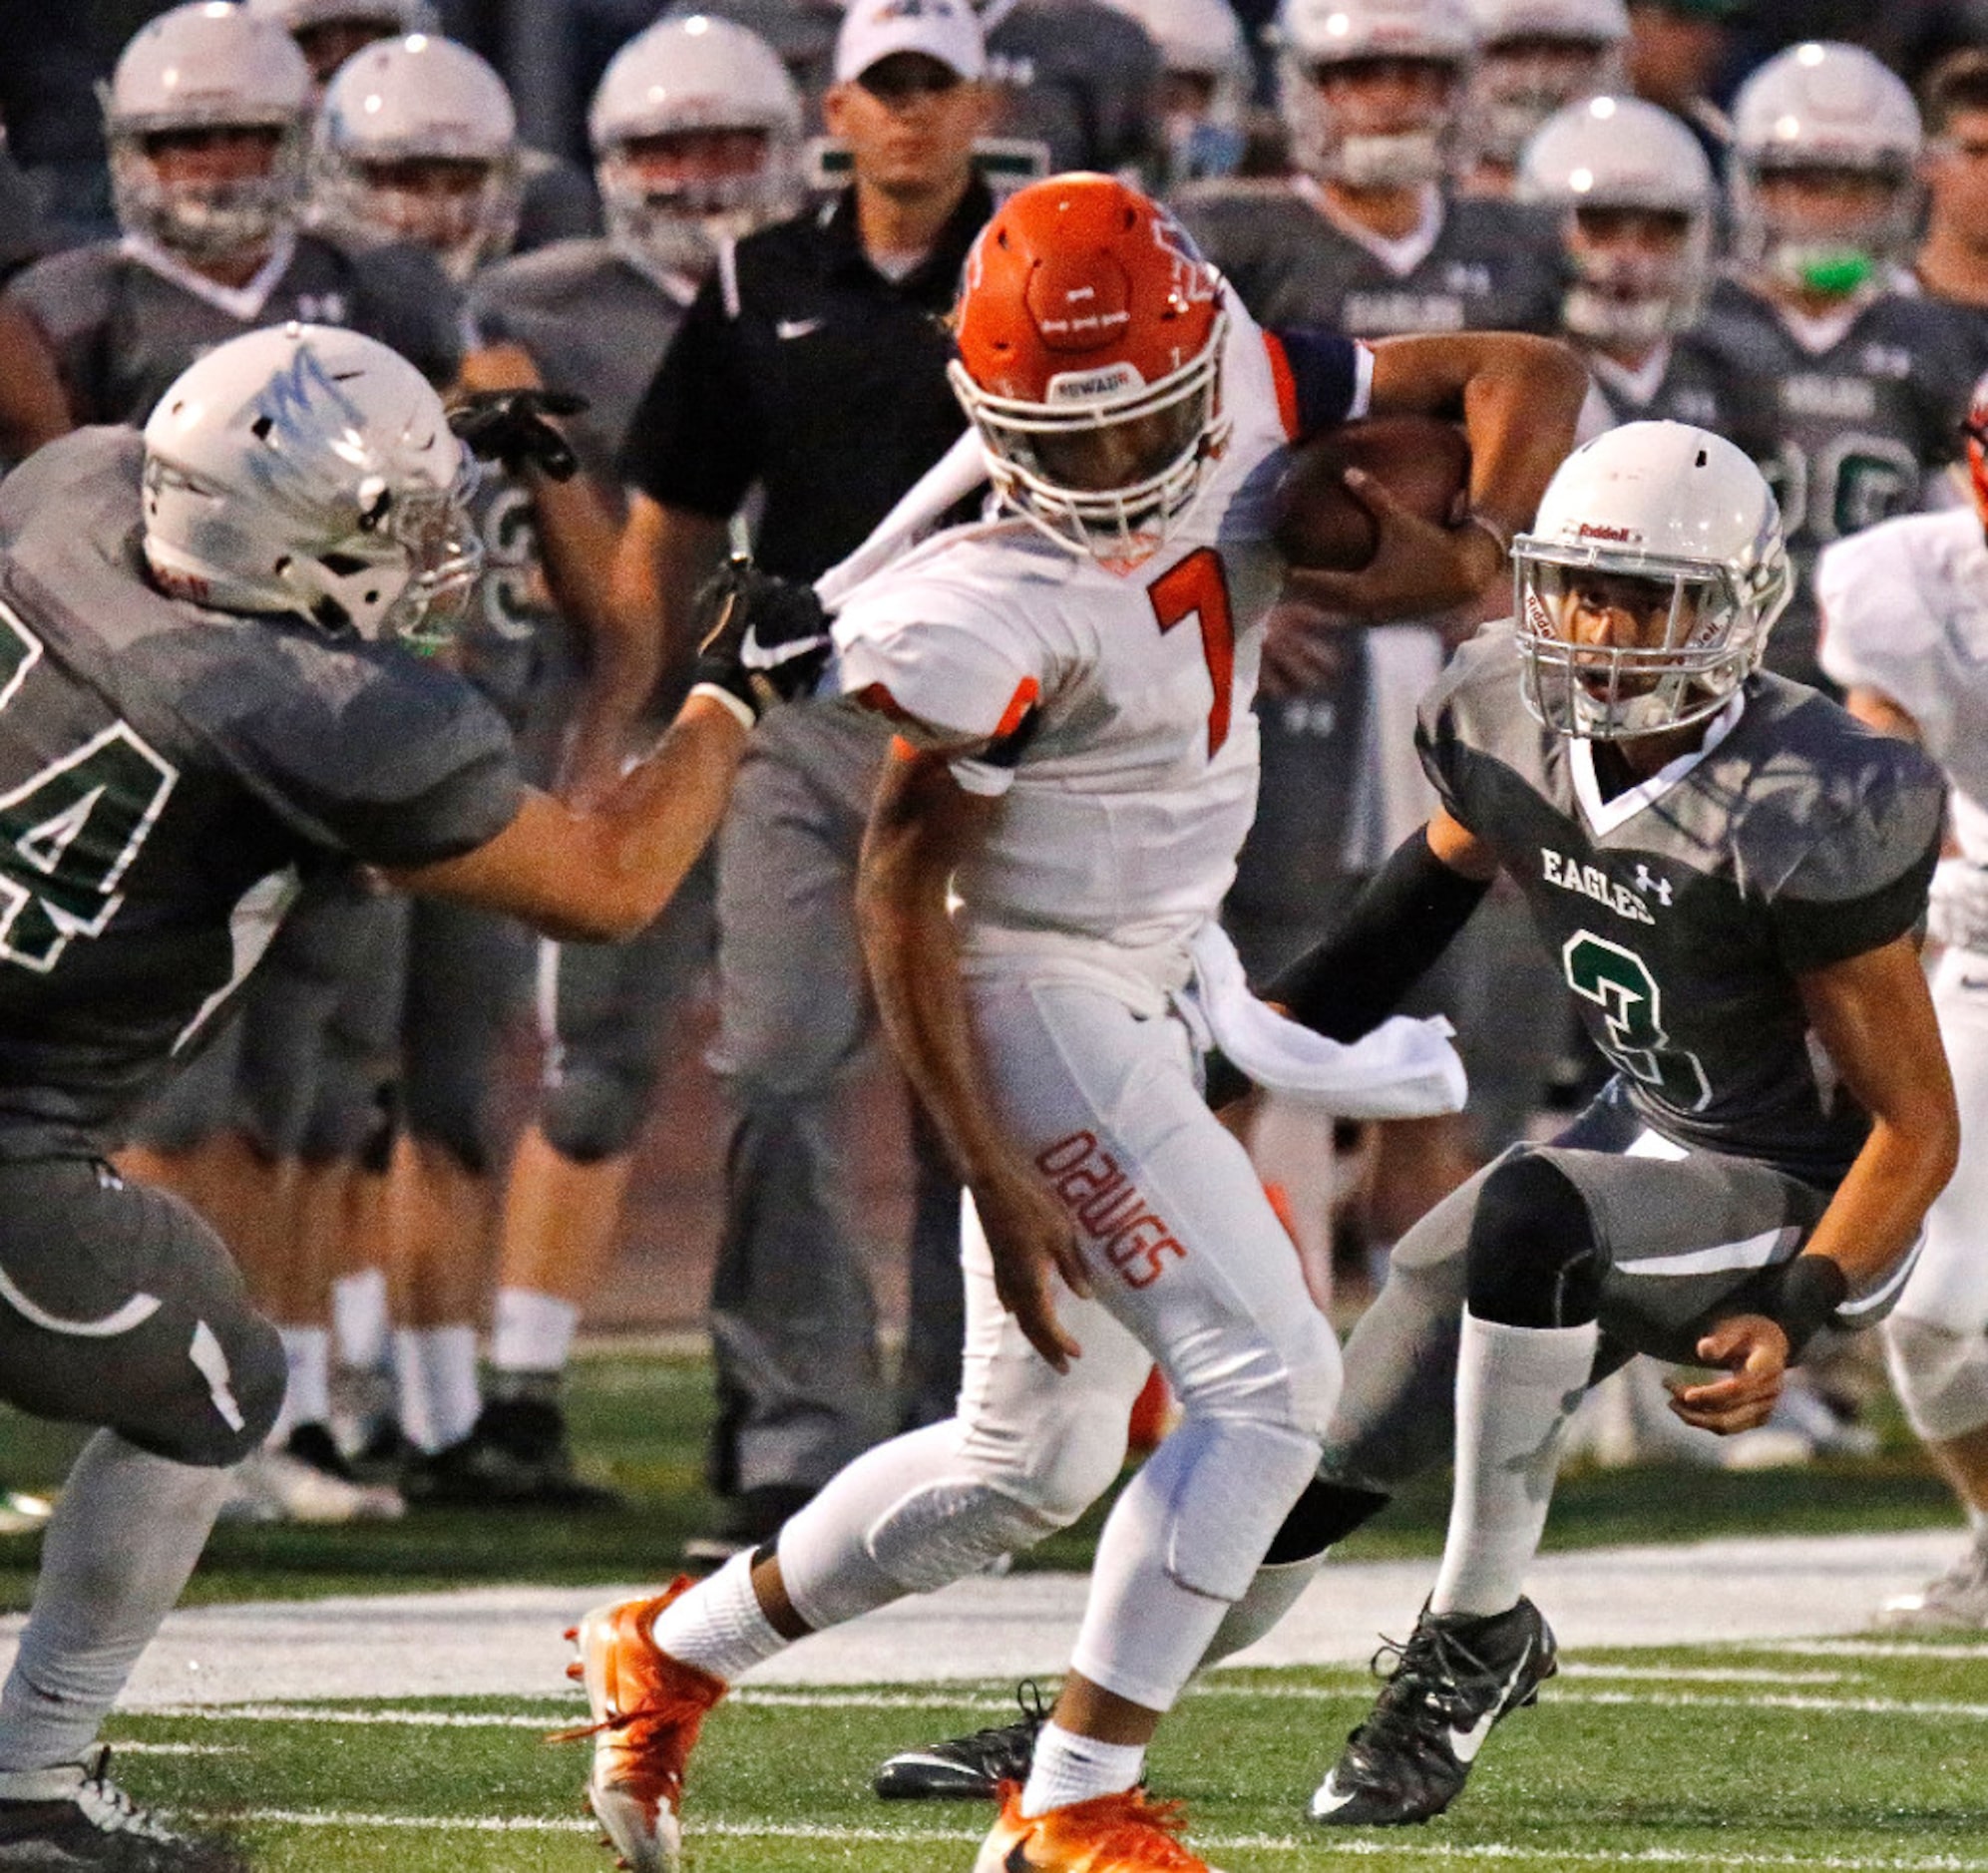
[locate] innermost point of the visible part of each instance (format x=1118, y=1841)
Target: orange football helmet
x=1090, y=338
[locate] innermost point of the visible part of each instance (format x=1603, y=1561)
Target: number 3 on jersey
x=1198, y=589
x=1619, y=983
x=70, y=831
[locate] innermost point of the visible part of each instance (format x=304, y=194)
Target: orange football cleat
x=647, y=1710
x=1112, y=1834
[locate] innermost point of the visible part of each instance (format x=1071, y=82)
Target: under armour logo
x=1661, y=886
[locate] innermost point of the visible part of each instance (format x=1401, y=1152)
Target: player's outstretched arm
x=605, y=868
x=1402, y=922
x=1518, y=398
x=922, y=825
x=604, y=871
x=1874, y=1018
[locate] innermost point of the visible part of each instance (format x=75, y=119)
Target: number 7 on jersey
x=1198, y=589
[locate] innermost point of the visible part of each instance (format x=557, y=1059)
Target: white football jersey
x=1124, y=807
x=1905, y=613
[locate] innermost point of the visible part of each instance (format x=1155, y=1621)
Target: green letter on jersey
x=1619, y=983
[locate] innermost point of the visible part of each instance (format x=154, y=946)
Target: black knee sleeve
x=591, y=1115
x=222, y=1408
x=1325, y=1513
x=1532, y=1258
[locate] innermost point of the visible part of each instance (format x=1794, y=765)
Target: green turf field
x=1838, y=1754
x=640, y=1422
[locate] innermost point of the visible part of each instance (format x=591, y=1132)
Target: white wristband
x=740, y=708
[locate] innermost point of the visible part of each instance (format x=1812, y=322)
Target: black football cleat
x=517, y=1457
x=969, y=1769
x=1453, y=1680
x=75, y=1818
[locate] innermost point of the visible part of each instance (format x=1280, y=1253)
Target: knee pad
x=1532, y=1258
x=1941, y=1376
x=451, y=1117
x=226, y=1400
x=590, y=1115
x=942, y=1532
x=1215, y=1477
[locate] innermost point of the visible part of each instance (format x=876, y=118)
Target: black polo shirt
x=803, y=369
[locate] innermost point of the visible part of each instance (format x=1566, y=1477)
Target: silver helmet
x=1620, y=153
x=683, y=76
x=420, y=99
x=1536, y=57
x=1682, y=522
x=304, y=468
x=206, y=65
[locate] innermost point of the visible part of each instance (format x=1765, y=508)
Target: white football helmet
x=412, y=100
x=206, y=65
x=1535, y=57
x=1823, y=107
x=1315, y=33
x=1621, y=153
x=684, y=75
x=304, y=468
x=1689, y=514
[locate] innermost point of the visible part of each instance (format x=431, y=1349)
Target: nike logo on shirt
x=795, y=328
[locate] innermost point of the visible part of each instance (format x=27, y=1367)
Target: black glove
x=762, y=639
x=510, y=426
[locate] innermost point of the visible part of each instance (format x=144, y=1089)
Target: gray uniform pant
x=793, y=1321
x=1688, y=1238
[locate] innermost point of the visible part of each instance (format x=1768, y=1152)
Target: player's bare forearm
x=921, y=826
x=603, y=872
x=1519, y=398
x=1874, y=1018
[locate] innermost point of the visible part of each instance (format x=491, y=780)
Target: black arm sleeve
x=1398, y=925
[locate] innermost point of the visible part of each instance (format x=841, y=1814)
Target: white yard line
x=1321, y=1843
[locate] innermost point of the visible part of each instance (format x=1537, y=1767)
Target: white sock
x=448, y=1360
x=359, y=1319
x=1516, y=1387
x=1977, y=1521
x=533, y=1332
x=719, y=1625
x=307, y=1396
x=410, y=1384
x=1069, y=1768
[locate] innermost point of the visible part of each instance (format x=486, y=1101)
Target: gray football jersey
x=1683, y=915
x=123, y=331
x=593, y=324
x=1692, y=389
x=1849, y=434
x=1494, y=266
x=168, y=775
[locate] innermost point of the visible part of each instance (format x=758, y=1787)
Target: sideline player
x=1534, y=58
x=1905, y=610
x=1729, y=870
x=695, y=131
x=1073, y=679
x=206, y=700
x=1849, y=385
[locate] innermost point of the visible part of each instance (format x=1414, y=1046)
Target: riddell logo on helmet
x=1589, y=530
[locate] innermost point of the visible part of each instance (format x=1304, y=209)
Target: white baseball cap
x=945, y=30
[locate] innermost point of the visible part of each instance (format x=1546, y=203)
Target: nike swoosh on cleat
x=1466, y=1744
x=1017, y=1860
x=795, y=328
x=1328, y=1800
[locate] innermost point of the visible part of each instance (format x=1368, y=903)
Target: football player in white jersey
x=1072, y=681
x=1905, y=631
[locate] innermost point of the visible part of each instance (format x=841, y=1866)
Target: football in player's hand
x=1322, y=524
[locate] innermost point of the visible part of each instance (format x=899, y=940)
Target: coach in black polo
x=813, y=367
